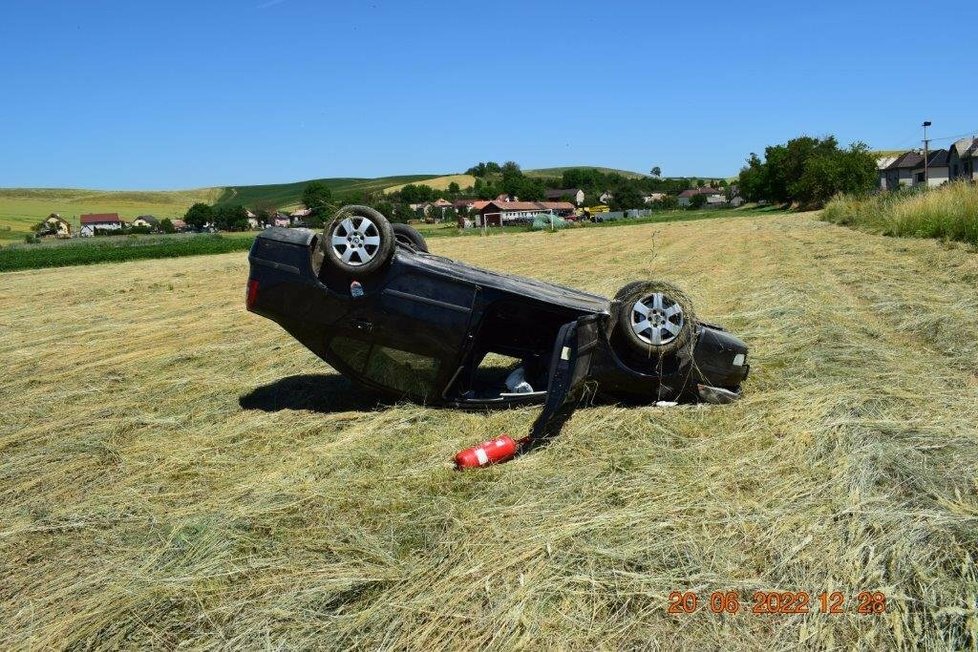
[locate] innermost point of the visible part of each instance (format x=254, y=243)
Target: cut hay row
x=177, y=472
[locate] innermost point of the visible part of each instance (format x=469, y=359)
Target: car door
x=570, y=364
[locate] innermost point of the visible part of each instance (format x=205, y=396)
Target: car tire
x=359, y=240
x=406, y=234
x=655, y=318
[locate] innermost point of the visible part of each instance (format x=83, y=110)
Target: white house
x=57, y=226
x=937, y=170
x=714, y=198
x=148, y=221
x=100, y=222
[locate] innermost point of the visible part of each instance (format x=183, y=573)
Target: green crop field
x=178, y=473
x=90, y=251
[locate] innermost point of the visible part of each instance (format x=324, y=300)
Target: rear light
x=252, y=296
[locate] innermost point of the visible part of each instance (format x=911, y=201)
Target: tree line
x=808, y=171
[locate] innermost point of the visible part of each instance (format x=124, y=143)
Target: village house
x=94, y=222
x=57, y=226
x=498, y=213
x=281, y=219
x=575, y=195
x=714, y=198
x=962, y=160
x=936, y=172
x=653, y=196
x=179, y=225
x=148, y=221
x=907, y=170
x=469, y=205
x=900, y=171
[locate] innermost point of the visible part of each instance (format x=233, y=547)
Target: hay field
x=439, y=183
x=175, y=472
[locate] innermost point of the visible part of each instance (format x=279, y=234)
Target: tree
x=318, y=198
x=199, y=215
x=453, y=190
x=402, y=213
x=698, y=201
x=625, y=196
x=166, y=225
x=657, y=172
x=512, y=181
x=231, y=217
x=808, y=170
x=416, y=194
x=531, y=189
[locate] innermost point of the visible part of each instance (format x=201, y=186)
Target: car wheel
x=359, y=240
x=655, y=318
x=406, y=234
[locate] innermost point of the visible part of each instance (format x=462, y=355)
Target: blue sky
x=111, y=94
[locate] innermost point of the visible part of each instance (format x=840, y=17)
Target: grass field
x=22, y=208
x=176, y=472
x=949, y=212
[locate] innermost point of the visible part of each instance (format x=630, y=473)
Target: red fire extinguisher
x=494, y=451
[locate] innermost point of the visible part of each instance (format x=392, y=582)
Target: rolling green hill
x=556, y=172
x=286, y=195
x=21, y=208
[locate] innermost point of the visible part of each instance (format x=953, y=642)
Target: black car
x=368, y=298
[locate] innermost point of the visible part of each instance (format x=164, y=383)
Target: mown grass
x=118, y=249
x=949, y=212
x=177, y=472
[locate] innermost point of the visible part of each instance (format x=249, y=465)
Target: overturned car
x=367, y=297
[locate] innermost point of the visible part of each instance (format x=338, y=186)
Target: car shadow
x=325, y=393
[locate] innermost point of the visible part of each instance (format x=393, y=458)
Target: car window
x=401, y=370
x=351, y=352
x=396, y=369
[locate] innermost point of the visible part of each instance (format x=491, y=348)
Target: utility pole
x=926, y=142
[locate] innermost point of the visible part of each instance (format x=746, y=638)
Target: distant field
x=289, y=195
x=441, y=183
x=21, y=208
x=177, y=473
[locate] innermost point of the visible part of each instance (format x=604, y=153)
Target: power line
x=955, y=137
